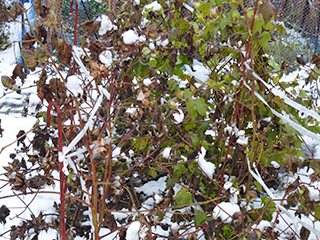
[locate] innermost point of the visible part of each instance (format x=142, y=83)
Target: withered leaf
x=252, y=235
x=304, y=233
x=50, y=18
x=29, y=58
x=4, y=212
x=41, y=33
x=64, y=52
x=267, y=10
x=28, y=41
x=16, y=10
x=19, y=72
x=316, y=60
x=91, y=26
x=1, y=129
x=40, y=8
x=21, y=137
x=7, y=82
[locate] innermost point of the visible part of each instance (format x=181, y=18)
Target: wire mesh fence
x=301, y=15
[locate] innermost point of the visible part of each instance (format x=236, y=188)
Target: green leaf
x=274, y=64
x=303, y=94
x=183, y=197
x=258, y=185
x=265, y=39
x=280, y=28
x=191, y=106
x=187, y=93
x=201, y=106
x=199, y=217
x=257, y=27
x=178, y=170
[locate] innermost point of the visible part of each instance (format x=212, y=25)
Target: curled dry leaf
x=64, y=52
x=4, y=212
x=16, y=10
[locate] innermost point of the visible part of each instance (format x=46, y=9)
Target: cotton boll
x=227, y=185
x=178, y=115
x=130, y=37
x=234, y=195
x=147, y=81
x=155, y=6
x=166, y=152
x=106, y=24
x=106, y=58
x=73, y=84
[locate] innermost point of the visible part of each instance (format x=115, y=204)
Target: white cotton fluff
x=106, y=24
x=275, y=164
x=207, y=167
x=227, y=185
x=225, y=211
x=242, y=140
x=73, y=85
x=234, y=195
x=130, y=37
x=147, y=81
x=133, y=231
x=155, y=6
x=163, y=42
x=178, y=115
x=106, y=58
x=166, y=152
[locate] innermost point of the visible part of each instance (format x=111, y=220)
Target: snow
x=133, y=231
x=130, y=37
x=225, y=211
x=12, y=123
x=207, y=167
x=153, y=187
x=106, y=24
x=73, y=84
x=227, y=185
x=163, y=42
x=199, y=72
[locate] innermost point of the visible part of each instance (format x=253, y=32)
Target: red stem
x=75, y=29
x=62, y=183
x=241, y=83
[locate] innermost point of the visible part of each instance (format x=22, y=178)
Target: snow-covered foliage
x=169, y=126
